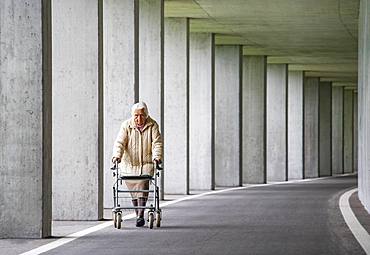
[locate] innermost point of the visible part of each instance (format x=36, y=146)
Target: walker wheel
x=158, y=220
x=119, y=220
x=151, y=220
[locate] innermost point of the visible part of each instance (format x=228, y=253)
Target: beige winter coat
x=136, y=149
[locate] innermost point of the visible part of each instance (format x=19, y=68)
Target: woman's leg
x=140, y=221
x=143, y=196
x=142, y=202
x=139, y=199
x=134, y=195
x=135, y=204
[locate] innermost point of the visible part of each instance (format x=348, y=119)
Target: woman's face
x=139, y=117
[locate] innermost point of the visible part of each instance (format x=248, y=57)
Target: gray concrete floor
x=300, y=218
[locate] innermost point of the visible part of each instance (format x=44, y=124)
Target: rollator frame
x=154, y=211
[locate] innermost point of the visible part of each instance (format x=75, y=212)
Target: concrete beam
x=120, y=76
x=311, y=127
x=77, y=111
x=348, y=131
x=325, y=130
x=276, y=128
x=346, y=84
x=254, y=119
x=295, y=125
x=343, y=67
x=228, y=82
x=339, y=79
x=337, y=130
x=176, y=103
x=25, y=119
x=201, y=111
x=330, y=74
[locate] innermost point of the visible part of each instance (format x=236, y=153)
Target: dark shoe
x=140, y=222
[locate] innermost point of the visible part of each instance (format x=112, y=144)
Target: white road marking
x=67, y=239
x=354, y=225
x=74, y=236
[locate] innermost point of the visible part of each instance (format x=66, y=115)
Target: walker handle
x=115, y=166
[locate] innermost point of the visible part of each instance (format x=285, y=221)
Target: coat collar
x=149, y=122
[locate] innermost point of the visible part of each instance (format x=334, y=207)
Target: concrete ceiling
x=319, y=36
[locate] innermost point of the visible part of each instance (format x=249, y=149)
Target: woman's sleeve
x=157, y=145
x=121, y=142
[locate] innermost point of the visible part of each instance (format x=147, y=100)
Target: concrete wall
x=119, y=77
x=348, y=131
x=337, y=130
x=325, y=129
x=176, y=103
x=363, y=102
x=151, y=56
x=25, y=120
x=227, y=113
x=201, y=111
x=311, y=127
x=77, y=150
x=276, y=128
x=295, y=125
x=254, y=119
x=355, y=132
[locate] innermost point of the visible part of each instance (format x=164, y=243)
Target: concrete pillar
x=201, y=111
x=151, y=54
x=77, y=111
x=228, y=140
x=25, y=119
x=277, y=85
x=176, y=103
x=325, y=168
x=295, y=125
x=337, y=130
x=363, y=103
x=311, y=127
x=355, y=132
x=120, y=79
x=348, y=131
x=151, y=57
x=254, y=119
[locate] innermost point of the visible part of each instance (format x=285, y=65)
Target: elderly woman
x=137, y=147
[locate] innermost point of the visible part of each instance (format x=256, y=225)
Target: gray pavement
x=301, y=218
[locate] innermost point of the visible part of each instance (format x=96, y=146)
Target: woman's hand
x=115, y=159
x=158, y=161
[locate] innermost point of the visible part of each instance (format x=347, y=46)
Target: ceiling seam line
x=212, y=18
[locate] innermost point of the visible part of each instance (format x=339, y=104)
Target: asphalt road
x=300, y=218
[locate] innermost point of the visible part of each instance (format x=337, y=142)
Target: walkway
x=296, y=218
